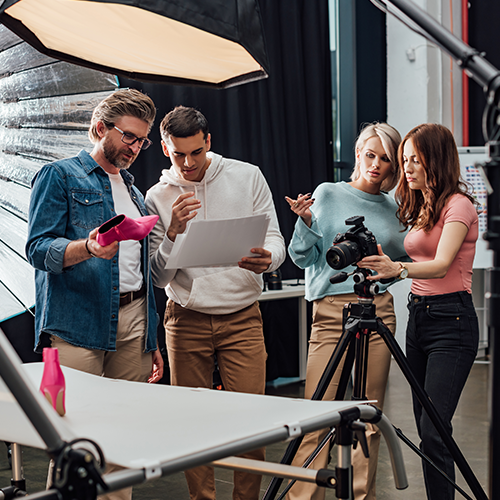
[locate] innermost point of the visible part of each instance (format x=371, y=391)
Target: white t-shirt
x=129, y=256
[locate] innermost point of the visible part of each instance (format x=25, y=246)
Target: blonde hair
x=390, y=139
x=123, y=102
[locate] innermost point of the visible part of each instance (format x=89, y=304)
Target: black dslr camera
x=353, y=245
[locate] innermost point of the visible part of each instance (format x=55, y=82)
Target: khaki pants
x=192, y=339
x=128, y=362
x=325, y=335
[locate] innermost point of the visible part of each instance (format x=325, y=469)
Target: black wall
x=484, y=36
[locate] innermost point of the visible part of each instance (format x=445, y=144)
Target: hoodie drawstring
x=205, y=194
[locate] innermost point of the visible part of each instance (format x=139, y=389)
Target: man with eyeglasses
x=95, y=303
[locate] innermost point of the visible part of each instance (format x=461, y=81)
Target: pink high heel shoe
x=53, y=385
x=121, y=228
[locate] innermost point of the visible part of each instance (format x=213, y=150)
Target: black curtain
x=371, y=66
x=20, y=330
x=282, y=124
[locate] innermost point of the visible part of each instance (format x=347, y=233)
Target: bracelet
x=87, y=247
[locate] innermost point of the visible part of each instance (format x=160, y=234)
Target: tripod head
x=364, y=288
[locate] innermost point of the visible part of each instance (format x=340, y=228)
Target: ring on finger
x=296, y=204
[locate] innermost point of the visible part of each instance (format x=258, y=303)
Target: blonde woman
x=321, y=217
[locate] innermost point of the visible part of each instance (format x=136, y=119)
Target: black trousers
x=441, y=345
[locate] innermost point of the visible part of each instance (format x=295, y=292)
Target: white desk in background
x=290, y=290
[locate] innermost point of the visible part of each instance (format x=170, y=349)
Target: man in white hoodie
x=211, y=310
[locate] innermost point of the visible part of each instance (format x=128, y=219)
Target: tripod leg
x=345, y=375
x=430, y=462
x=429, y=407
x=360, y=372
x=333, y=363
x=321, y=388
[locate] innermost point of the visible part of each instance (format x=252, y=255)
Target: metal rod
x=393, y=445
x=324, y=442
x=18, y=479
x=483, y=72
x=269, y=469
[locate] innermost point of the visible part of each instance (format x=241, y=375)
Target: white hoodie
x=229, y=189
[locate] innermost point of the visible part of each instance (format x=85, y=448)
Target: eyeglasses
x=129, y=139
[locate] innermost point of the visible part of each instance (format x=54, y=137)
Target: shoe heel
x=60, y=406
x=55, y=396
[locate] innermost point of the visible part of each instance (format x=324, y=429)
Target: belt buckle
x=126, y=298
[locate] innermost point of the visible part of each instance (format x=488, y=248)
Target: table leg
x=302, y=338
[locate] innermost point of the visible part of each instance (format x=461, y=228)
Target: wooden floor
x=471, y=428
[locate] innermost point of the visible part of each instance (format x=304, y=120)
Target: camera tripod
x=358, y=321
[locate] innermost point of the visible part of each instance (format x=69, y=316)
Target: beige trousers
x=238, y=340
x=325, y=335
x=128, y=362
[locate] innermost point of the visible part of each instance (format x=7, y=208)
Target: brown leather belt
x=127, y=298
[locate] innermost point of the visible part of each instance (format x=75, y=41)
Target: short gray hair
x=123, y=102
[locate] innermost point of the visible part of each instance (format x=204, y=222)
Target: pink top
x=422, y=246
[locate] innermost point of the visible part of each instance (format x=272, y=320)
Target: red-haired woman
x=442, y=333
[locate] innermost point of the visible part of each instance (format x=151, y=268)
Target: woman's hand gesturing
x=301, y=206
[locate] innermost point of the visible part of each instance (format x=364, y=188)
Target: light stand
x=486, y=75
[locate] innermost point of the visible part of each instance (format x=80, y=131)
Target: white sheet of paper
x=220, y=242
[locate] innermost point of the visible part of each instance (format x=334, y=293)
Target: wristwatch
x=403, y=271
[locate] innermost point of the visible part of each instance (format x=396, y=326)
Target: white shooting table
x=154, y=430
x=293, y=290
x=137, y=424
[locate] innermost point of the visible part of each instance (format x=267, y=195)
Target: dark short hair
x=122, y=102
x=183, y=121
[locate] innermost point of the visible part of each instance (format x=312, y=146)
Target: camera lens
x=343, y=254
x=274, y=281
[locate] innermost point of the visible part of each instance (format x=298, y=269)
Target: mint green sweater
x=334, y=203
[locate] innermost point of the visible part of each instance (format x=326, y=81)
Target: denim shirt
x=80, y=304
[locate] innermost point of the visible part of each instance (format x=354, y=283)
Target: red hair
x=438, y=155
